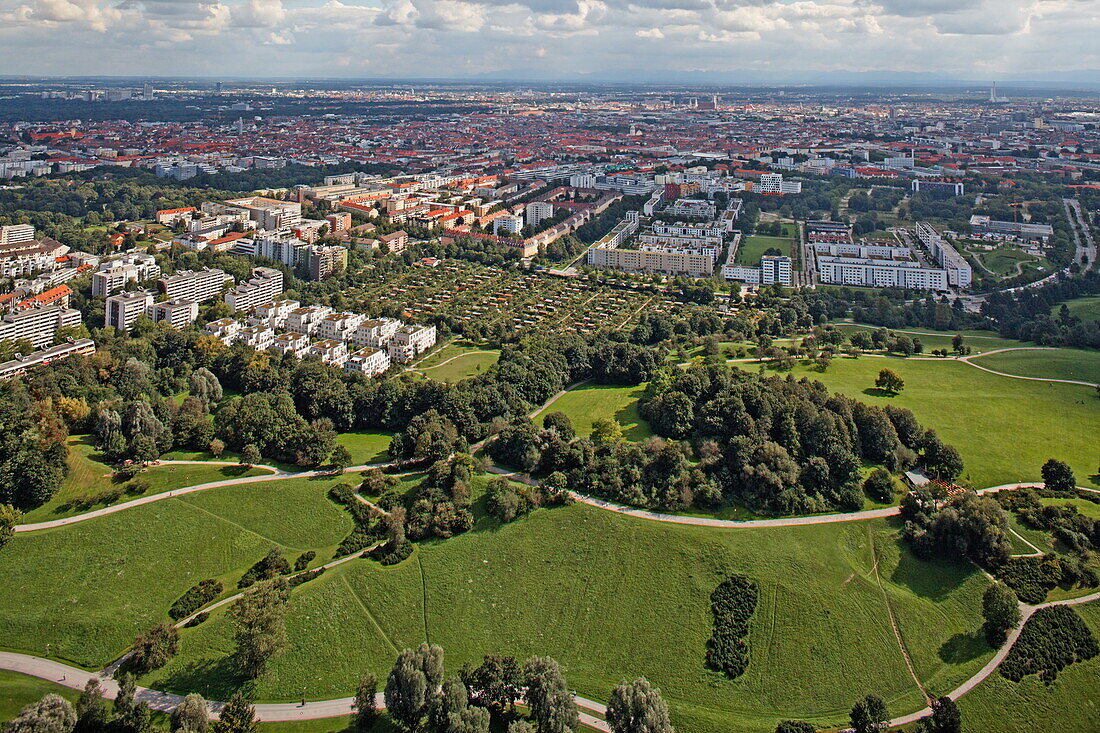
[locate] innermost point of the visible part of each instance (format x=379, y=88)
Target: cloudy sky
x=788, y=39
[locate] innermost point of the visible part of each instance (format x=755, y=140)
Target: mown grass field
x=1004, y=428
x=612, y=598
x=87, y=589
x=457, y=361
x=366, y=446
x=753, y=248
x=1070, y=705
x=1087, y=308
x=1076, y=364
x=978, y=341
x=18, y=690
x=593, y=402
x=88, y=476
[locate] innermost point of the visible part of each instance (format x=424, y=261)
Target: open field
x=88, y=476
x=366, y=446
x=624, y=597
x=978, y=341
x=1084, y=506
x=593, y=402
x=753, y=248
x=1004, y=428
x=1070, y=705
x=456, y=361
x=87, y=589
x=18, y=690
x=1075, y=364
x=1087, y=308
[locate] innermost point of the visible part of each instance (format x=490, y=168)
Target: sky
x=738, y=40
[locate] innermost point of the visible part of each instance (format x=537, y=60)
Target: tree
x=795, y=726
x=154, y=647
x=1057, y=476
x=51, y=714
x=250, y=455
x=606, y=430
x=637, y=707
x=259, y=621
x=548, y=696
x=1001, y=612
x=450, y=711
x=945, y=717
x=889, y=381
x=217, y=447
x=9, y=517
x=341, y=459
x=869, y=715
x=496, y=683
x=414, y=677
x=129, y=715
x=880, y=486
x=364, y=709
x=957, y=343
x=560, y=423
x=237, y=716
x=91, y=709
x=520, y=726
x=190, y=716
x=205, y=386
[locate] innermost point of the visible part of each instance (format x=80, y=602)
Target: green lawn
x=1074, y=364
x=978, y=341
x=613, y=597
x=1004, y=428
x=593, y=402
x=1084, y=506
x=88, y=476
x=1003, y=260
x=89, y=588
x=457, y=361
x=1066, y=706
x=366, y=446
x=19, y=690
x=1087, y=308
x=753, y=248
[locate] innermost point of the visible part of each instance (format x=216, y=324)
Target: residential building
x=307, y=319
x=225, y=329
x=281, y=246
x=773, y=183
x=123, y=309
x=339, y=326
x=21, y=363
x=693, y=209
x=179, y=312
x=938, y=189
x=375, y=333
x=537, y=211
x=260, y=338
x=409, y=341
x=985, y=226
x=273, y=314
x=113, y=275
x=290, y=343
x=773, y=270
x=198, y=285
x=16, y=233
x=263, y=287
x=269, y=214
x=330, y=351
x=959, y=272
x=326, y=260
x=368, y=361
x=37, y=325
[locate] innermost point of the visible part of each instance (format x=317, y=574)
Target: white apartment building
x=307, y=319
x=375, y=333
x=225, y=329
x=37, y=325
x=260, y=338
x=773, y=270
x=537, y=211
x=273, y=314
x=409, y=341
x=15, y=233
x=330, y=351
x=263, y=287
x=269, y=213
x=22, y=363
x=693, y=209
x=281, y=246
x=879, y=273
x=507, y=223
x=113, y=275
x=693, y=263
x=959, y=272
x=198, y=285
x=179, y=312
x=368, y=361
x=340, y=326
x=290, y=343
x=123, y=309
x=773, y=183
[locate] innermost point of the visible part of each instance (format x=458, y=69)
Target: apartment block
x=263, y=287
x=409, y=341
x=198, y=285
x=273, y=314
x=37, y=325
x=15, y=233
x=368, y=361
x=307, y=319
x=290, y=343
x=123, y=309
x=112, y=275
x=330, y=351
x=375, y=333
x=179, y=312
x=326, y=260
x=224, y=329
x=22, y=363
x=260, y=338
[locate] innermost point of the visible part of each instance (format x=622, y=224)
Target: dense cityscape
x=599, y=407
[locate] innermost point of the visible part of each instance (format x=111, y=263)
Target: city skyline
x=717, y=41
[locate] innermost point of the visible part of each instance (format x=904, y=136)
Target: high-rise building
x=123, y=310
x=263, y=287
x=114, y=274
x=14, y=233
x=325, y=261
x=37, y=325
x=179, y=312
x=195, y=285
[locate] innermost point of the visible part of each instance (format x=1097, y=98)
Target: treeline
x=773, y=445
x=1027, y=314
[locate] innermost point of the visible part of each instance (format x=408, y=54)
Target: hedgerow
x=1054, y=638
x=732, y=603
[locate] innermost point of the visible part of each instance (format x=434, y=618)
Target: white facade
x=340, y=326
x=368, y=361
x=124, y=309
x=225, y=329
x=37, y=325
x=409, y=341
x=260, y=338
x=197, y=286
x=264, y=286
x=273, y=314
x=307, y=319
x=537, y=211
x=330, y=351
x=179, y=312
x=290, y=343
x=113, y=275
x=15, y=233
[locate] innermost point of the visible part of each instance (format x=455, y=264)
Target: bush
x=154, y=647
x=1033, y=577
x=195, y=598
x=880, y=486
x=304, y=560
x=1052, y=639
x=732, y=603
x=297, y=580
x=387, y=556
x=271, y=566
x=199, y=618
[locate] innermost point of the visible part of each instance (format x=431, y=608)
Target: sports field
x=594, y=402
